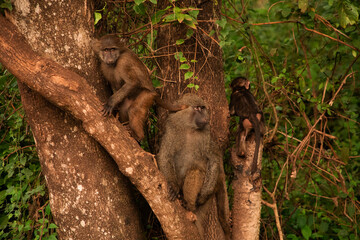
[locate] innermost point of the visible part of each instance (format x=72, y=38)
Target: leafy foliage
x=302, y=59
x=138, y=21
x=24, y=208
x=5, y=4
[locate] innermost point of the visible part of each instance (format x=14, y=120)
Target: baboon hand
x=107, y=110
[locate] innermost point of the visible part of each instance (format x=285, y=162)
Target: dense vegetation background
x=302, y=59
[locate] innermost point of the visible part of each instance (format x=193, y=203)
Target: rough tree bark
x=208, y=68
x=247, y=197
x=72, y=93
x=89, y=197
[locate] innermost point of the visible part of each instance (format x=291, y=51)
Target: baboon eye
x=109, y=49
x=199, y=108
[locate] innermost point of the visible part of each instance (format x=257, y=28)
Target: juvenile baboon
x=130, y=83
x=243, y=104
x=188, y=158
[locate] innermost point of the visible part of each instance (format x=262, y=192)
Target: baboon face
x=197, y=114
x=109, y=55
x=108, y=48
x=240, y=82
x=200, y=117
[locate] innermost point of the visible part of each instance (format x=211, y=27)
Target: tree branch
x=72, y=93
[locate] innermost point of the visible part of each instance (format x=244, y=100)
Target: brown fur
x=193, y=183
x=243, y=104
x=133, y=92
x=190, y=161
x=138, y=112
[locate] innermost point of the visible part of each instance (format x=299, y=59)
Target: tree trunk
x=209, y=66
x=72, y=93
x=247, y=195
x=89, y=197
x=208, y=69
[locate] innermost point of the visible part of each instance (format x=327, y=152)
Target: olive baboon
x=189, y=159
x=243, y=104
x=130, y=83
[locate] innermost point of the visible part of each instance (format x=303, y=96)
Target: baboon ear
x=124, y=40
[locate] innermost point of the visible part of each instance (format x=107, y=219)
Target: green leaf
x=192, y=85
x=188, y=75
x=348, y=14
x=301, y=221
x=306, y=232
x=3, y=195
x=52, y=236
x=4, y=78
x=302, y=106
x=177, y=10
x=98, y=16
x=28, y=225
x=170, y=18
x=222, y=22
x=48, y=210
x=189, y=18
x=180, y=41
x=180, y=17
x=303, y=4
x=189, y=33
x=274, y=80
x=156, y=18
x=6, y=4
x=3, y=221
x=23, y=161
x=343, y=18
x=27, y=172
x=138, y=2
x=183, y=59
x=292, y=236
x=140, y=9
x=153, y=1
x=194, y=13
x=52, y=225
x=302, y=84
x=178, y=55
x=273, y=51
x=343, y=233
x=312, y=15
x=351, y=12
x=184, y=66
x=190, y=24
x=285, y=12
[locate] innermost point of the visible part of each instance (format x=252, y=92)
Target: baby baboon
x=243, y=104
x=130, y=83
x=188, y=158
